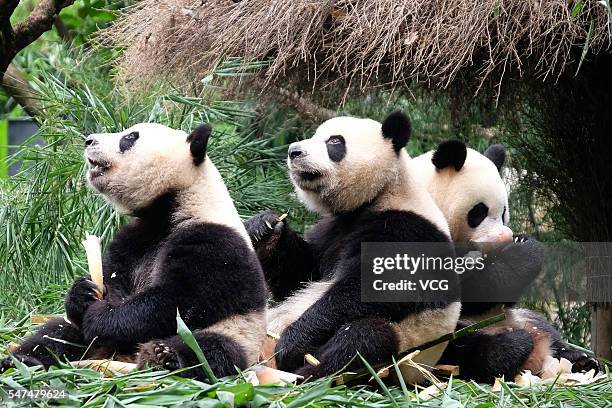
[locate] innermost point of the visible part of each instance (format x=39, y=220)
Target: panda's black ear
x=198, y=141
x=450, y=153
x=397, y=127
x=497, y=154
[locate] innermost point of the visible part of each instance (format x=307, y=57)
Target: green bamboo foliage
x=46, y=209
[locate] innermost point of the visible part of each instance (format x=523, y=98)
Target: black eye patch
x=477, y=214
x=128, y=141
x=336, y=148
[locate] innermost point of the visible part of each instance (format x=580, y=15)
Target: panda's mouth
x=310, y=175
x=98, y=167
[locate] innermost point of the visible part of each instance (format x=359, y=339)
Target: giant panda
x=185, y=248
x=356, y=174
x=469, y=190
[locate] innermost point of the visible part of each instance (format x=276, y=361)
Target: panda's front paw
x=265, y=229
x=310, y=372
x=81, y=295
x=157, y=354
x=9, y=362
x=290, y=352
x=584, y=364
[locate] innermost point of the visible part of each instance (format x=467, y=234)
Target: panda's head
x=134, y=167
x=348, y=161
x=469, y=190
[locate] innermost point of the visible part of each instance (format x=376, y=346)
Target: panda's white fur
x=289, y=311
x=456, y=192
x=160, y=161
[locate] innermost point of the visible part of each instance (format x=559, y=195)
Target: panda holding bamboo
x=469, y=190
x=185, y=248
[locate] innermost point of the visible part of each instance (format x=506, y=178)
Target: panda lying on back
x=186, y=248
x=357, y=175
x=467, y=187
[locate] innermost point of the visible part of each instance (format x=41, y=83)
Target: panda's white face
x=133, y=167
x=478, y=199
x=473, y=199
x=345, y=164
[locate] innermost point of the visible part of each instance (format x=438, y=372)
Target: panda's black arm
x=507, y=274
x=203, y=266
x=124, y=253
x=339, y=305
x=286, y=258
x=148, y=315
x=289, y=266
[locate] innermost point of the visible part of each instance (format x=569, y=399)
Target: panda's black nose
x=294, y=152
x=90, y=141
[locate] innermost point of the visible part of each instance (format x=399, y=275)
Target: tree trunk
x=601, y=330
x=19, y=88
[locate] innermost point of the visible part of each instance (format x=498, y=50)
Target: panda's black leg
x=55, y=339
x=580, y=360
x=222, y=353
x=483, y=357
x=373, y=338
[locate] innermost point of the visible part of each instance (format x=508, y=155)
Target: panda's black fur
x=153, y=266
x=335, y=324
x=525, y=338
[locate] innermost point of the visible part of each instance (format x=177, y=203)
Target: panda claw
x=586, y=364
x=264, y=230
x=6, y=364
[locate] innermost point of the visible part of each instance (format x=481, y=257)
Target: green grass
x=89, y=388
x=3, y=148
x=150, y=388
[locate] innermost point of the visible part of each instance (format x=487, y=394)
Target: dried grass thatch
x=361, y=43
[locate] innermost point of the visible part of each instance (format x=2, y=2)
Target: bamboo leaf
x=187, y=336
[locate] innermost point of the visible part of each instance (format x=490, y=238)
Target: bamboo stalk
x=11, y=347
x=106, y=367
x=93, y=249
x=41, y=319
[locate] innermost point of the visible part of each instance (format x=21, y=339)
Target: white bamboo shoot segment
x=312, y=360
x=273, y=335
x=41, y=319
x=268, y=375
x=94, y=261
x=106, y=367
